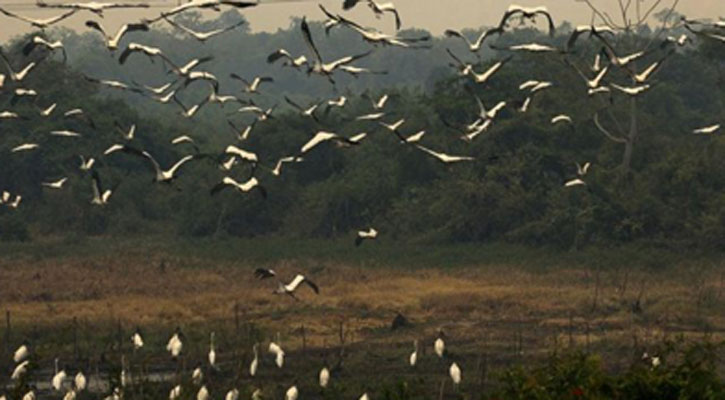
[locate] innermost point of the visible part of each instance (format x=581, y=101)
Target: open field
x=498, y=305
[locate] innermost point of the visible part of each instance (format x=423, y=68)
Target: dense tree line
x=673, y=194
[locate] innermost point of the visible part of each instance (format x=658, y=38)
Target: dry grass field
x=494, y=313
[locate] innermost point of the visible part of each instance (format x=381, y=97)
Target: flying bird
x=40, y=41
x=305, y=112
x=444, y=158
x=112, y=42
x=475, y=46
x=708, y=130
x=55, y=185
x=632, y=91
x=47, y=111
x=370, y=117
x=319, y=66
x=149, y=51
x=92, y=6
x=19, y=75
x=357, y=71
x=38, y=23
x=24, y=147
x=378, y=8
x=100, y=196
x=574, y=182
x=582, y=170
x=593, y=30
x=376, y=37
x=295, y=62
x=186, y=70
x=204, y=36
x=242, y=134
x=620, y=61
x=323, y=136
x=394, y=126
x=262, y=114
x=331, y=21
x=126, y=134
x=290, y=288
x=113, y=84
x=253, y=86
x=561, y=118
x=263, y=273
x=527, y=13
x=189, y=112
x=242, y=187
x=644, y=76
x=208, y=4
x=369, y=234
x=161, y=175
x=486, y=75
x=528, y=47
x=86, y=164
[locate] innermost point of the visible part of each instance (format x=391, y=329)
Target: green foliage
x=686, y=371
x=13, y=228
x=513, y=191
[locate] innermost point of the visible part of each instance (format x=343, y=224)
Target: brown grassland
x=494, y=312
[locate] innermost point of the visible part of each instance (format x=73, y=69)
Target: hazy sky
x=433, y=15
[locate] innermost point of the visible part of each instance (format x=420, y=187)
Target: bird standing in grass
x=137, y=339
x=175, y=345
x=59, y=377
x=276, y=349
x=23, y=351
x=414, y=355
x=255, y=361
x=455, y=373
x=324, y=377
x=212, y=351
x=439, y=346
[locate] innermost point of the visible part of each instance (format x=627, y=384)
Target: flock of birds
x=313, y=63
x=70, y=386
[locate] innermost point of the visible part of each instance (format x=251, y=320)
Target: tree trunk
x=631, y=137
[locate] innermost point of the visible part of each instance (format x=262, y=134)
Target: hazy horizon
x=434, y=16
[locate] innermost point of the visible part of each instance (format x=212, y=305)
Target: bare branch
x=639, y=12
x=663, y=28
x=624, y=11
x=599, y=14
x=651, y=9
x=611, y=21
x=606, y=132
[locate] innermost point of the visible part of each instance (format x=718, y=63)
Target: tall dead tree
x=633, y=17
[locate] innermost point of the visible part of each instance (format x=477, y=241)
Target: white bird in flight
x=55, y=185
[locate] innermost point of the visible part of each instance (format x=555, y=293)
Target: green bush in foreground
x=684, y=371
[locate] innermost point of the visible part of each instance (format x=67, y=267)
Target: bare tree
x=634, y=15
